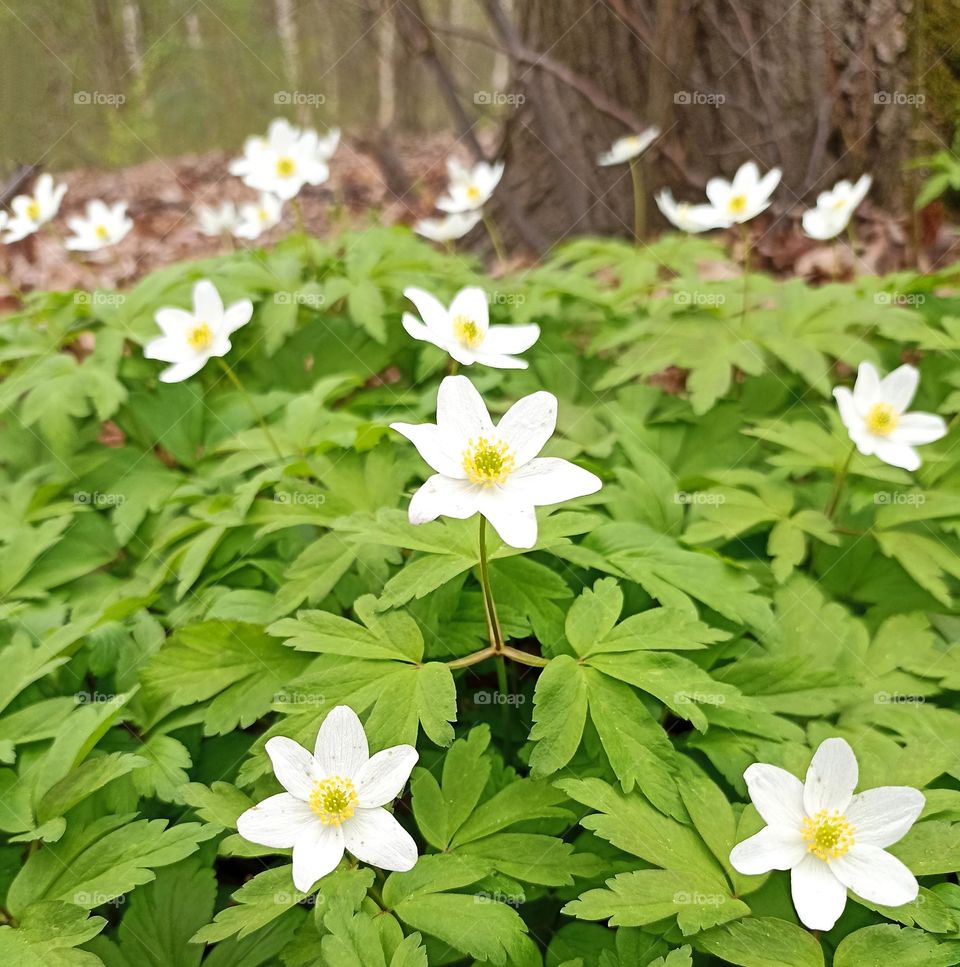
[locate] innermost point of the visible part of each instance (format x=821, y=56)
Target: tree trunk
x=818, y=88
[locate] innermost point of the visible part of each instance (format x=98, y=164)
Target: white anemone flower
x=327, y=144
x=876, y=419
x=628, y=148
x=746, y=196
x=830, y=839
x=191, y=338
x=690, y=218
x=464, y=330
x=31, y=212
x=470, y=188
x=283, y=162
x=835, y=208
x=215, y=220
x=492, y=470
x=334, y=801
x=449, y=228
x=260, y=216
x=102, y=226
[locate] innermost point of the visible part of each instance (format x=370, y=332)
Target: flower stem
x=639, y=199
x=746, y=270
x=232, y=376
x=302, y=226
x=490, y=608
x=495, y=237
x=838, y=482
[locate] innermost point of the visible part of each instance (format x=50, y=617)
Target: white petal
x=497, y=360
x=776, y=794
x=443, y=496
x=184, y=369
x=471, y=303
x=383, y=777
x=900, y=386
x=207, y=304
x=431, y=310
x=277, y=822
x=420, y=330
x=831, y=778
x=773, y=848
x=238, y=314
x=293, y=766
x=162, y=348
x=509, y=340
x=316, y=853
x=876, y=875
x=550, y=480
x=432, y=446
x=528, y=424
x=747, y=177
x=818, y=896
x=515, y=523
x=373, y=836
x=718, y=191
x=461, y=412
x=915, y=429
x=768, y=183
x=897, y=454
x=341, y=747
x=866, y=390
x=852, y=419
x=882, y=816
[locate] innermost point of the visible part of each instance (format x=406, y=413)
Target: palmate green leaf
x=762, y=942
x=926, y=559
x=103, y=859
x=48, y=934
x=357, y=939
x=160, y=919
x=886, y=944
x=83, y=781
x=234, y=667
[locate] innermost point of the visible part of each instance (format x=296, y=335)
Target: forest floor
x=163, y=195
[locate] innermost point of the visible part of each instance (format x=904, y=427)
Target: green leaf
x=887, y=944
x=762, y=942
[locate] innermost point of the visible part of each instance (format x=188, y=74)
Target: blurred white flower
x=191, y=338
x=102, y=226
x=830, y=839
x=449, y=228
x=746, y=196
x=464, y=330
x=690, y=218
x=469, y=188
x=334, y=801
x=30, y=212
x=327, y=144
x=628, y=148
x=258, y=217
x=835, y=208
x=492, y=470
x=283, y=162
x=876, y=419
x=217, y=220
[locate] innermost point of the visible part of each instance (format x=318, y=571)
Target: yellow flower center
x=101, y=231
x=263, y=214
x=473, y=192
x=737, y=204
x=882, y=419
x=200, y=337
x=333, y=800
x=33, y=211
x=286, y=167
x=467, y=332
x=488, y=462
x=828, y=835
